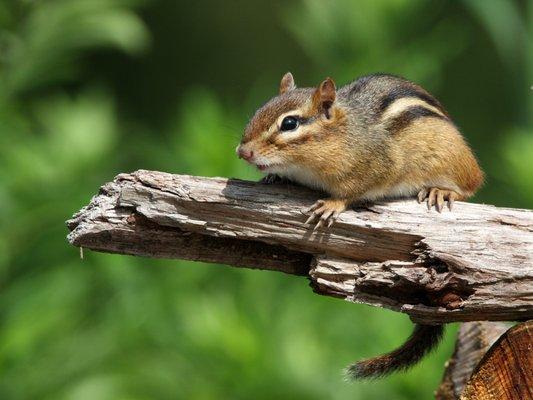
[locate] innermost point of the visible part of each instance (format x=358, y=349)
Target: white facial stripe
x=404, y=103
x=290, y=135
x=266, y=134
x=293, y=135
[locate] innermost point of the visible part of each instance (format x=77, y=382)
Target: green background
x=91, y=88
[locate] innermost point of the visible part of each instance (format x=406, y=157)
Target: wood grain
x=506, y=370
x=473, y=341
x=475, y=263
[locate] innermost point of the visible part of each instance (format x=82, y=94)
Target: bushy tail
x=423, y=339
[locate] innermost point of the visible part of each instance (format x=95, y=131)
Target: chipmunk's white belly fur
x=401, y=190
x=303, y=176
x=406, y=190
x=307, y=177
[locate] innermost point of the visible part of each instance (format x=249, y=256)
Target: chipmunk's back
x=374, y=95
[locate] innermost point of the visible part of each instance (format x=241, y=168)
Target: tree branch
x=475, y=263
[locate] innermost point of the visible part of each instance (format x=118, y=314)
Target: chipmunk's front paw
x=273, y=178
x=326, y=211
x=436, y=197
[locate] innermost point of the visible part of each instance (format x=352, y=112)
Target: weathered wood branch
x=475, y=263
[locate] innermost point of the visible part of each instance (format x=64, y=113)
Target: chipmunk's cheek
x=278, y=145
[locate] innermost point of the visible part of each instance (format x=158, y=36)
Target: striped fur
x=408, y=90
x=388, y=136
x=378, y=137
x=402, y=119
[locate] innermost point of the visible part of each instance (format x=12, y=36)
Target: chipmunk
x=378, y=137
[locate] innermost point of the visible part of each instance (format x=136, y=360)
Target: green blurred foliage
x=91, y=88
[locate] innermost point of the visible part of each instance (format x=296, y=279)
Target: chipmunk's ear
x=324, y=96
x=287, y=83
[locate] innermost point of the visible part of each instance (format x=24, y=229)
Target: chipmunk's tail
x=423, y=339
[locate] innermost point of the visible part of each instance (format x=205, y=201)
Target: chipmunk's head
x=289, y=130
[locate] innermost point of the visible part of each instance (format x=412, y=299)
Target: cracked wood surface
x=475, y=263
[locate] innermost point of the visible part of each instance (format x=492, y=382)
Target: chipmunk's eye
x=289, y=124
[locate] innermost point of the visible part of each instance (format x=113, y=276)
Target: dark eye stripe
x=278, y=133
x=289, y=123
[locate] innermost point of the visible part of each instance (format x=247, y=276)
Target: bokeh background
x=92, y=88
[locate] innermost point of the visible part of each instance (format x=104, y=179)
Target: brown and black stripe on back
x=371, y=95
x=400, y=121
x=409, y=89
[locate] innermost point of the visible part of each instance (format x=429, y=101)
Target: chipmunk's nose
x=245, y=154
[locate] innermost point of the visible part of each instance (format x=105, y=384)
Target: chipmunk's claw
x=269, y=179
x=325, y=211
x=422, y=195
x=437, y=197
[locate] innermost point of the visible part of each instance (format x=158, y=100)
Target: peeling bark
x=475, y=263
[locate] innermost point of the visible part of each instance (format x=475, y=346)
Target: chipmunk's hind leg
x=436, y=197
